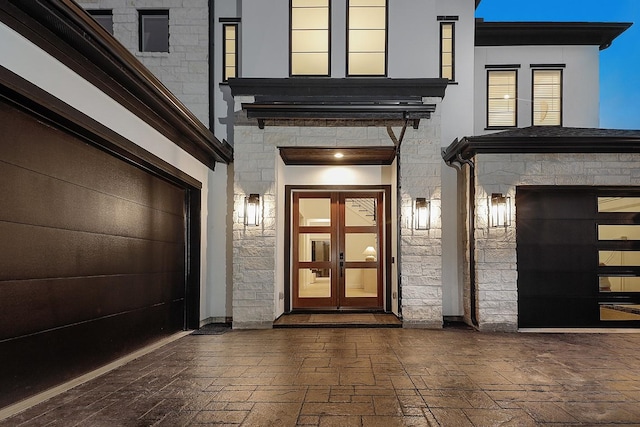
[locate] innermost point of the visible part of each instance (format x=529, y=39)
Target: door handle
x=341, y=264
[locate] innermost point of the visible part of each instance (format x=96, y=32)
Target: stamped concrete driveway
x=362, y=377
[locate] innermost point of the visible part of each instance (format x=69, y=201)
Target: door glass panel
x=315, y=212
x=361, y=282
x=312, y=284
x=360, y=211
x=314, y=247
x=619, y=232
x=619, y=283
x=361, y=247
x=618, y=204
x=611, y=312
x=619, y=258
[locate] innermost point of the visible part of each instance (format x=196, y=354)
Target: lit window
x=501, y=99
x=154, y=30
x=103, y=17
x=230, y=56
x=547, y=97
x=447, y=50
x=309, y=38
x=367, y=38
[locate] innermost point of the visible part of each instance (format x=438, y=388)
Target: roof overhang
x=312, y=156
x=599, y=34
x=545, y=140
x=377, y=99
x=69, y=34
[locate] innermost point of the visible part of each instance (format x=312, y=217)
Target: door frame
x=387, y=228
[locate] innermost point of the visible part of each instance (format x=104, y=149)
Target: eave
x=599, y=34
x=65, y=31
x=378, y=99
x=534, y=140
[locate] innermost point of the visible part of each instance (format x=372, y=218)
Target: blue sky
x=619, y=64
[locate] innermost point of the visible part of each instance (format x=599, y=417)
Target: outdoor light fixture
x=500, y=210
x=369, y=253
x=421, y=214
x=252, y=210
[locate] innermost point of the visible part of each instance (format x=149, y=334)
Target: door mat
x=213, y=329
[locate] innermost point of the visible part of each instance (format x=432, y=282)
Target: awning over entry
x=327, y=98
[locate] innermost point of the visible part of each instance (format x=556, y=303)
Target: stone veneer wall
x=496, y=261
x=254, y=248
x=184, y=70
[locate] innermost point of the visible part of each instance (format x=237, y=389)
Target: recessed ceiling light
x=338, y=155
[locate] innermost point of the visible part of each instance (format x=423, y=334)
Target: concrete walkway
x=362, y=377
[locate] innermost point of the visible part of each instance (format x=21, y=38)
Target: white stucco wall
x=30, y=62
x=581, y=94
x=496, y=260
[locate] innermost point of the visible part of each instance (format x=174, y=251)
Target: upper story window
x=447, y=48
x=501, y=98
x=154, y=30
x=230, y=55
x=367, y=38
x=309, y=38
x=104, y=18
x=547, y=97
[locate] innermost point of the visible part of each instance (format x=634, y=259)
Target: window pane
x=367, y=18
x=618, y=204
x=310, y=41
x=612, y=312
x=547, y=97
x=154, y=31
x=315, y=212
x=367, y=41
x=312, y=64
x=361, y=247
x=360, y=211
x=361, y=282
x=367, y=3
x=310, y=19
x=366, y=64
x=310, y=3
x=312, y=283
x=619, y=283
x=104, y=18
x=619, y=258
x=314, y=247
x=619, y=232
x=501, y=98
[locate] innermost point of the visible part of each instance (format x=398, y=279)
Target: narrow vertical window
x=367, y=38
x=501, y=99
x=104, y=17
x=309, y=38
x=230, y=55
x=547, y=97
x=154, y=30
x=447, y=70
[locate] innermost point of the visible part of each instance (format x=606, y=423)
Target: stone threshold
x=338, y=320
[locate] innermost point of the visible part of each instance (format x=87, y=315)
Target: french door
x=337, y=250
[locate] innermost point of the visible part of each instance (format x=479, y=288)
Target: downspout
x=397, y=142
x=472, y=230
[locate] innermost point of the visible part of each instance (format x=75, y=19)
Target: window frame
x=453, y=50
x=386, y=44
x=143, y=13
x=95, y=13
x=291, y=74
x=515, y=113
x=533, y=99
x=225, y=77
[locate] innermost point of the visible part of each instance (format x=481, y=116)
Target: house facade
x=269, y=157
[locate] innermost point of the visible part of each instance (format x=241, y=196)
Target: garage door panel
x=556, y=232
x=555, y=204
x=557, y=313
x=52, y=152
x=565, y=257
x=551, y=284
x=65, y=353
x=32, y=252
x=29, y=304
x=34, y=198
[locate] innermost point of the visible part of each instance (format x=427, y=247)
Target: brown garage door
x=92, y=256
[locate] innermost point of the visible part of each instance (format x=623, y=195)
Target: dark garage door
x=92, y=256
x=569, y=242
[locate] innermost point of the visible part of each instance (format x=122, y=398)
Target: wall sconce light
x=252, y=210
x=500, y=210
x=369, y=253
x=422, y=214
